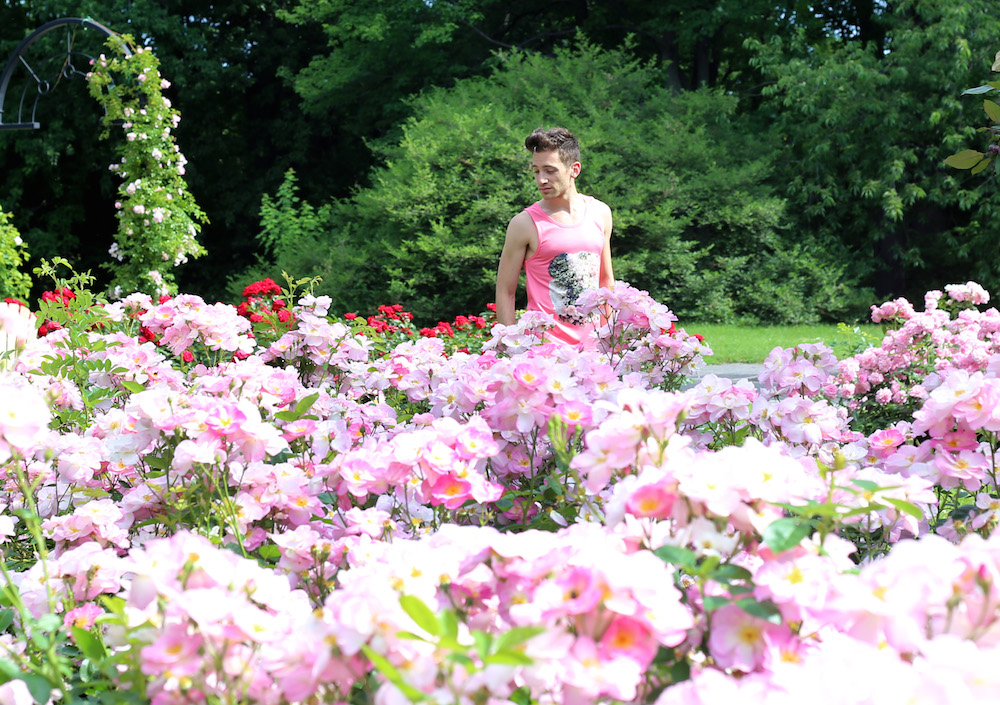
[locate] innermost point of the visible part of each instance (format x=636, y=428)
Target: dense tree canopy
x=867, y=125
x=696, y=222
x=812, y=133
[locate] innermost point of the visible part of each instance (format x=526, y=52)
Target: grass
x=731, y=343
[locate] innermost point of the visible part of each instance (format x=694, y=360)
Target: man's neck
x=569, y=202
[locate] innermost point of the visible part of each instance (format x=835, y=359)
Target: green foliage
x=973, y=159
x=158, y=218
x=14, y=283
x=241, y=130
x=80, y=312
x=695, y=224
x=296, y=237
x=862, y=126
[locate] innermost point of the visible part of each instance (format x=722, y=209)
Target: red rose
x=350, y=316
x=187, y=356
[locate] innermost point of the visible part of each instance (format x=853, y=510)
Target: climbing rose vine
x=158, y=219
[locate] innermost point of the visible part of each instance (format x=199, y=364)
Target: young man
x=563, y=241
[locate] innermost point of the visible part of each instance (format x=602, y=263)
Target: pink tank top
x=566, y=263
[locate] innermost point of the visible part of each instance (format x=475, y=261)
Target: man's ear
x=574, y=169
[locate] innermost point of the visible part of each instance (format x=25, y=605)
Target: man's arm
x=607, y=278
x=515, y=249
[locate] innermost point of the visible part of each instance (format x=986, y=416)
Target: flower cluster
x=193, y=514
x=265, y=308
x=158, y=219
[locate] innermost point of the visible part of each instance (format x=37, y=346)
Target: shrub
x=14, y=283
x=695, y=224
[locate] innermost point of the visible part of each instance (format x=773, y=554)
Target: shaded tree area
x=831, y=118
x=241, y=128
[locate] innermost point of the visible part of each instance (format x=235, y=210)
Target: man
x=563, y=241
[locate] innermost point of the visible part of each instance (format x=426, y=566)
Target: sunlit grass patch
x=752, y=344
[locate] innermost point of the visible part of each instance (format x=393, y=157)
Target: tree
x=696, y=225
x=241, y=129
x=866, y=125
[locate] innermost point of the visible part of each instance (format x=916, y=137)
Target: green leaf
x=992, y=110
x=9, y=670
x=677, y=555
x=767, y=611
x=461, y=659
x=866, y=485
x=421, y=614
x=784, y=534
x=483, y=642
x=515, y=637
x=521, y=696
x=89, y=644
x=113, y=604
x=905, y=507
x=305, y=403
x=133, y=387
x=410, y=636
x=507, y=658
x=981, y=166
x=966, y=159
x=48, y=623
x=448, y=644
x=714, y=602
x=978, y=90
x=392, y=674
x=449, y=624
x=39, y=688
x=6, y=619
x=728, y=573
x=708, y=566
x=269, y=552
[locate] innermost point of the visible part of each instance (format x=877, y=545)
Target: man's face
x=552, y=176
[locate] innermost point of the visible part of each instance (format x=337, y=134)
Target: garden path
x=733, y=371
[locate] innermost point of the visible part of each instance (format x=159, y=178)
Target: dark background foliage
x=766, y=161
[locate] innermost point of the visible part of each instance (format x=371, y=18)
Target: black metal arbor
x=66, y=69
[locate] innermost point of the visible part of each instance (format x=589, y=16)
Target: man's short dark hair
x=558, y=138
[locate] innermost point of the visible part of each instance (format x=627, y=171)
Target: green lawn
x=731, y=343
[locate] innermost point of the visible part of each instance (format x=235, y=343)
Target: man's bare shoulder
x=521, y=226
x=603, y=213
x=602, y=207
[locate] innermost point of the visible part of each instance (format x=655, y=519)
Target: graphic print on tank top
x=572, y=273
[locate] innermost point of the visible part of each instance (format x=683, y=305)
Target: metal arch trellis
x=44, y=85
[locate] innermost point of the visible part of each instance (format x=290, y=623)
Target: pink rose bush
x=192, y=514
